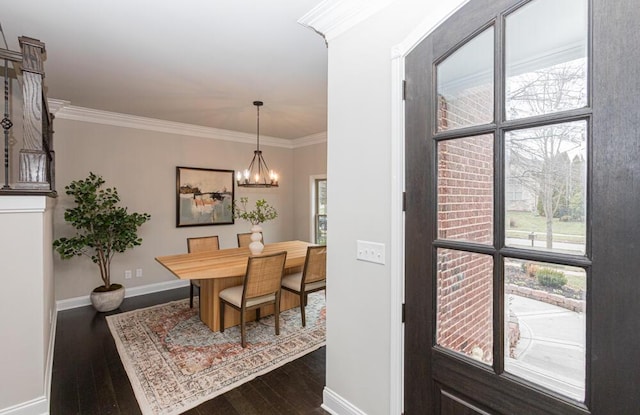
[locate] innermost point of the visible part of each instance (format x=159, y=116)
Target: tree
x=541, y=158
x=102, y=227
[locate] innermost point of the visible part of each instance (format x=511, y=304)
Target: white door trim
x=398, y=55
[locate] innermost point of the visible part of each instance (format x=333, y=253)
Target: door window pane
x=465, y=85
x=546, y=58
x=545, y=187
x=465, y=303
x=465, y=189
x=545, y=318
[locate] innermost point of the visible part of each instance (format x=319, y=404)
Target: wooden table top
x=228, y=262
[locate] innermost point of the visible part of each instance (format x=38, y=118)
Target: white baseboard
x=337, y=405
x=48, y=373
x=129, y=292
x=38, y=406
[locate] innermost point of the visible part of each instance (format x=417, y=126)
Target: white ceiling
x=200, y=62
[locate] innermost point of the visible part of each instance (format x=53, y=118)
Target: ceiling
x=200, y=62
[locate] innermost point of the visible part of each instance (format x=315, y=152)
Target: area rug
x=175, y=362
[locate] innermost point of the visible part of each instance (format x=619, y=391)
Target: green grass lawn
x=576, y=281
x=526, y=222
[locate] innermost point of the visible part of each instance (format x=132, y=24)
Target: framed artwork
x=204, y=196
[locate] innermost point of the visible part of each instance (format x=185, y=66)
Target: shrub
x=529, y=269
x=551, y=278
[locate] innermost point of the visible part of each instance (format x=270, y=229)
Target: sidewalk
x=551, y=351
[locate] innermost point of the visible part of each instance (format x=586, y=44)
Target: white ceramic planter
x=107, y=300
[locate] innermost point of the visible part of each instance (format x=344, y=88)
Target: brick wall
x=465, y=189
x=469, y=106
x=465, y=213
x=465, y=302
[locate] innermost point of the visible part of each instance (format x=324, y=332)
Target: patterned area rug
x=174, y=362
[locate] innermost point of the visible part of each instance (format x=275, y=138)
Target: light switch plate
x=370, y=252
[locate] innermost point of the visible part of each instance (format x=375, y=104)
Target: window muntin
x=559, y=68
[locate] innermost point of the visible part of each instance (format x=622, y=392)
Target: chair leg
x=221, y=316
x=303, y=305
x=190, y=295
x=257, y=313
x=243, y=340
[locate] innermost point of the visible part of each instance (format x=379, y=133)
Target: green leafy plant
x=262, y=212
x=102, y=227
x=551, y=278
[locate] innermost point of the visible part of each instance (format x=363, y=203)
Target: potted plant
x=261, y=213
x=102, y=229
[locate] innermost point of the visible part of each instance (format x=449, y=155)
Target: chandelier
x=258, y=173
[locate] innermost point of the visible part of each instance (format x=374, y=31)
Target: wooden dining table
x=225, y=268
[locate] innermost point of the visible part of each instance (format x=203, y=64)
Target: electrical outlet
x=370, y=252
x=127, y=274
x=139, y=272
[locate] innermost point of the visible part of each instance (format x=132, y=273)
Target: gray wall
x=141, y=165
x=308, y=161
x=359, y=170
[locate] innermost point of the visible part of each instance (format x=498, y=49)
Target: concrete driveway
x=551, y=350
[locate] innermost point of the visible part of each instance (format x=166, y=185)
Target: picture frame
x=204, y=196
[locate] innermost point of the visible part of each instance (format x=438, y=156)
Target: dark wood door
x=522, y=219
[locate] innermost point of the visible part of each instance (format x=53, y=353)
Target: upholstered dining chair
x=200, y=244
x=313, y=277
x=244, y=239
x=261, y=287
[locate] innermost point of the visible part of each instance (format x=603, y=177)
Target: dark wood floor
x=89, y=379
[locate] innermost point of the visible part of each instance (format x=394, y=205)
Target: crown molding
x=310, y=140
x=331, y=18
x=64, y=109
x=56, y=105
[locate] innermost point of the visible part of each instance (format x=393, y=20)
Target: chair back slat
x=203, y=244
x=244, y=239
x=264, y=274
x=315, y=265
